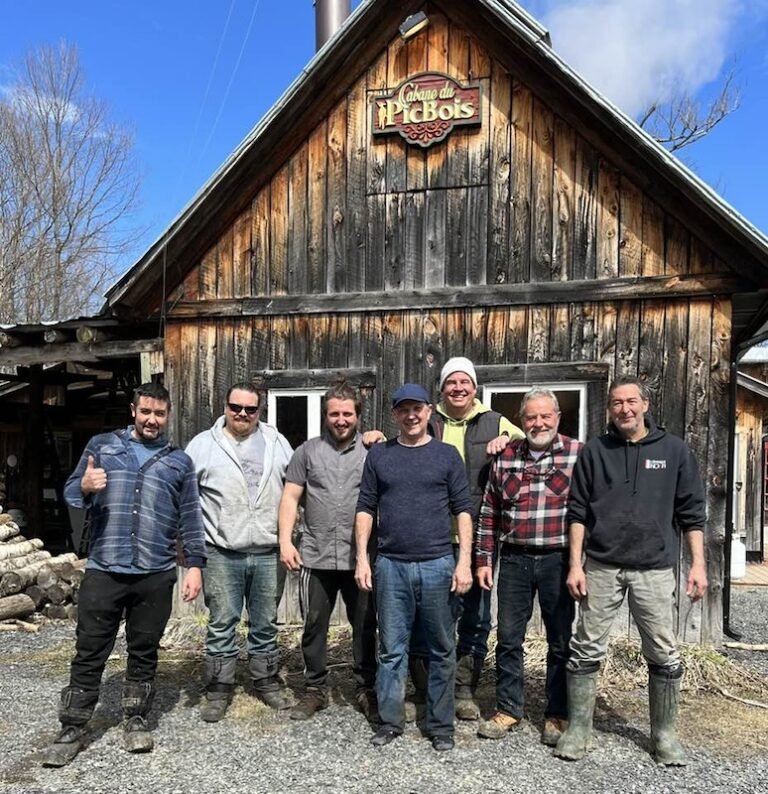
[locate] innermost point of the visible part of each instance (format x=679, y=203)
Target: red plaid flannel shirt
x=525, y=500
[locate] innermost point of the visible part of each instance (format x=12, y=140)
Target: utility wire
x=185, y=166
x=232, y=78
x=212, y=74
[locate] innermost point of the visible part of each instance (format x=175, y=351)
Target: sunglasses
x=251, y=410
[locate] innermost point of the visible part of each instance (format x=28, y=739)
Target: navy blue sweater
x=633, y=497
x=415, y=491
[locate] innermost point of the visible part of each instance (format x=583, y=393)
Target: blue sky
x=192, y=78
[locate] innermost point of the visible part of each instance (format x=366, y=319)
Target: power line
x=232, y=77
x=195, y=129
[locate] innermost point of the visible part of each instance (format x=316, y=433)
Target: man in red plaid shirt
x=524, y=507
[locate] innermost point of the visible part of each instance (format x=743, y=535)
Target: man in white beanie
x=478, y=433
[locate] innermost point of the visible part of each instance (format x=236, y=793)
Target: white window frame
x=314, y=412
x=490, y=389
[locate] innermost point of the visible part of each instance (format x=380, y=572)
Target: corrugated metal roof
x=755, y=355
x=751, y=384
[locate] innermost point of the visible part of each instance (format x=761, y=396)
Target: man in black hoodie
x=633, y=490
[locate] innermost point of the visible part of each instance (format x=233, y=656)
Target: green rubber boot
x=576, y=742
x=664, y=700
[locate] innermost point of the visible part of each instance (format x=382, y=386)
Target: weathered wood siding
x=524, y=199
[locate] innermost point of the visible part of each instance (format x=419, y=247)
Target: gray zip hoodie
x=229, y=519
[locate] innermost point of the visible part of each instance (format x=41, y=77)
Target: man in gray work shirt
x=326, y=472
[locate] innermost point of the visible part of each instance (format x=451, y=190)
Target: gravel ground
x=252, y=750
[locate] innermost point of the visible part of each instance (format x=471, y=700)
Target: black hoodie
x=632, y=497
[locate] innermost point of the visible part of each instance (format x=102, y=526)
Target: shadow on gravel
x=612, y=721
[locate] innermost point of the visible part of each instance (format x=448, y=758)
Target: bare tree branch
x=68, y=184
x=682, y=121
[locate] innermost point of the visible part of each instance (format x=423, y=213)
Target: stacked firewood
x=32, y=580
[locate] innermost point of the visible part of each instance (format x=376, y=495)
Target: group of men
x=408, y=531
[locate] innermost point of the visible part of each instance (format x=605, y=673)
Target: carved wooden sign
x=426, y=107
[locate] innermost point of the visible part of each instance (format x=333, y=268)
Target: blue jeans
x=474, y=626
x=521, y=576
x=231, y=580
x=405, y=592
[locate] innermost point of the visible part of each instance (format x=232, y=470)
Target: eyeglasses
x=251, y=410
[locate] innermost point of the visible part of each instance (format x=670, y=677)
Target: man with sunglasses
x=240, y=464
x=524, y=506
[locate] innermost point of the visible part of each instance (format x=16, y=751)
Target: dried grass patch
x=711, y=718
x=625, y=669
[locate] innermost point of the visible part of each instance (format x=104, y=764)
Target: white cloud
x=23, y=100
x=638, y=51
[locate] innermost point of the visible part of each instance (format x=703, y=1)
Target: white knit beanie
x=458, y=364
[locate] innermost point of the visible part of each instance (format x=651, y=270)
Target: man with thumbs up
x=142, y=496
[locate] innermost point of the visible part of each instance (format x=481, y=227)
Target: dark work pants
x=318, y=592
x=521, y=576
x=146, y=600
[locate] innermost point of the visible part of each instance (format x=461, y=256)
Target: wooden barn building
x=458, y=191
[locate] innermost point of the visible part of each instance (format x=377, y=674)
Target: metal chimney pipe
x=329, y=17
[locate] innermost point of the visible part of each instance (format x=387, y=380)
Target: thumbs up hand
x=94, y=478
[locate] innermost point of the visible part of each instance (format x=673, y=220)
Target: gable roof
x=498, y=24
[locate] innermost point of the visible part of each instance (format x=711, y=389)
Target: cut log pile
x=32, y=580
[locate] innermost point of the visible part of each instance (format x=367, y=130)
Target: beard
x=542, y=439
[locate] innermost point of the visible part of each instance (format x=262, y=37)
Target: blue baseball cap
x=410, y=391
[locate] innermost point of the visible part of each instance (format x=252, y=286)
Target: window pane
x=292, y=418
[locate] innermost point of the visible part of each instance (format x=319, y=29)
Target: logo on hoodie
x=655, y=464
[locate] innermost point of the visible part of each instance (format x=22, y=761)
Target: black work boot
x=663, y=702
x=267, y=684
x=577, y=739
x=468, y=669
x=75, y=709
x=219, y=686
x=418, y=667
x=137, y=700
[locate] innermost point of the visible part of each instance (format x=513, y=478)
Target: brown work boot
x=368, y=704
x=312, y=701
x=498, y=726
x=467, y=710
x=554, y=728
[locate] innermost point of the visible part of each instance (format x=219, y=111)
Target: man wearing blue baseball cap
x=414, y=485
